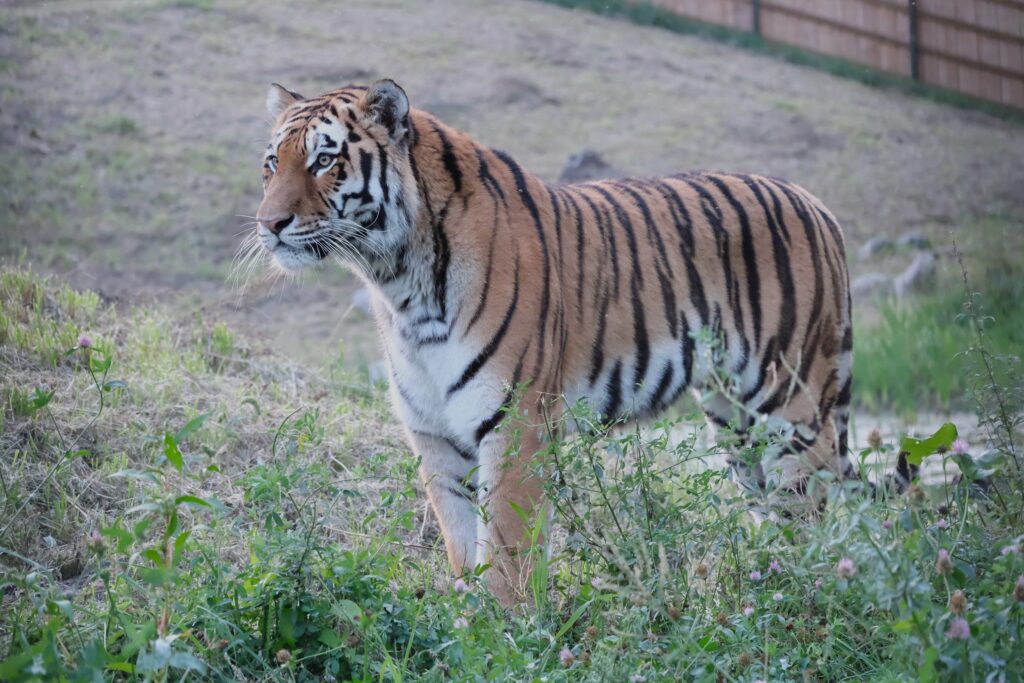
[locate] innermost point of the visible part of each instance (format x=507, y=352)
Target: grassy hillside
x=131, y=133
x=180, y=504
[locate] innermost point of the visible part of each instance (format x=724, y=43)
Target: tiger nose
x=276, y=224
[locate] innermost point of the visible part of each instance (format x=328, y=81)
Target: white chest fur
x=425, y=360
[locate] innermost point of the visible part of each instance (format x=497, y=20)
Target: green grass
x=915, y=356
x=118, y=124
x=646, y=14
x=41, y=320
x=914, y=353
x=179, y=504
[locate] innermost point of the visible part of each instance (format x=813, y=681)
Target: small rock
x=918, y=274
x=871, y=283
x=874, y=246
x=361, y=300
x=913, y=240
x=587, y=165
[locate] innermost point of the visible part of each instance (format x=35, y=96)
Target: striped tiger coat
x=623, y=293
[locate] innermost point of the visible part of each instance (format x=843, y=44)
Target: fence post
x=755, y=20
x=915, y=51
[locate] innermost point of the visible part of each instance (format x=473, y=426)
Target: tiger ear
x=387, y=105
x=280, y=98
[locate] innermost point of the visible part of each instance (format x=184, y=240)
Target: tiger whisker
x=343, y=252
x=346, y=253
x=342, y=228
x=248, y=256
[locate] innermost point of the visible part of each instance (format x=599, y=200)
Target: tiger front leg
x=447, y=472
x=511, y=528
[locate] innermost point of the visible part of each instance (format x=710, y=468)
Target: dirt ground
x=131, y=131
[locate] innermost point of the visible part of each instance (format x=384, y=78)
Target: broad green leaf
x=191, y=426
x=126, y=667
x=121, y=535
x=348, y=609
x=191, y=500
x=172, y=452
x=179, y=542
x=137, y=637
x=172, y=524
x=40, y=398
x=330, y=638
x=903, y=626
x=708, y=644
x=980, y=468
x=140, y=528
x=919, y=449
x=65, y=607
x=273, y=520
x=13, y=667
x=99, y=362
x=287, y=624
x=153, y=555
x=154, y=576
x=408, y=520
x=927, y=674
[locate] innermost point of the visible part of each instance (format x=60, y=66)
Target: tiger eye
x=324, y=160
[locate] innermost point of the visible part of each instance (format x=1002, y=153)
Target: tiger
x=490, y=286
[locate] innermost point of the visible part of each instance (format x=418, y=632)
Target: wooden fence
x=972, y=46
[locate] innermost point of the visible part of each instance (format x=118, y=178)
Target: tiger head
x=334, y=175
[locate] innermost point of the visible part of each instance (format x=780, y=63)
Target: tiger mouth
x=284, y=252
x=317, y=248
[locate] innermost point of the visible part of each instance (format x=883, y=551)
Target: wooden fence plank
x=973, y=46
x=787, y=8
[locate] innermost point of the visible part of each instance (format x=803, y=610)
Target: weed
x=118, y=124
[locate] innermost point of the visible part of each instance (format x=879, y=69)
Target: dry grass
x=172, y=370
